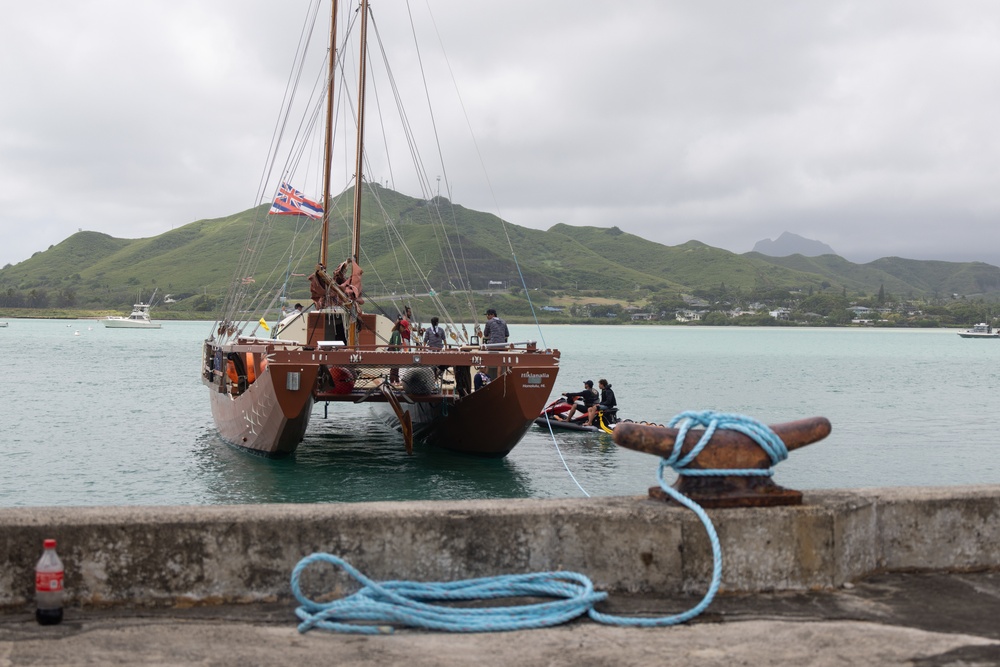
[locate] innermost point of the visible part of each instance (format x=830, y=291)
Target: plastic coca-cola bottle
x=49, y=586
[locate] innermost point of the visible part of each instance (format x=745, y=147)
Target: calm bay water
x=119, y=417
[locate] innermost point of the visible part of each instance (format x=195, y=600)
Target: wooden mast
x=328, y=136
x=359, y=159
x=358, y=175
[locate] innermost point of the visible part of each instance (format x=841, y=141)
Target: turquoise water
x=119, y=417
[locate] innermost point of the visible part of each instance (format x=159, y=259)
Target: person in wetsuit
x=582, y=399
x=607, y=401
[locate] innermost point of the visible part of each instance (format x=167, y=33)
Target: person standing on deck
x=495, y=330
x=434, y=339
x=415, y=327
x=434, y=335
x=404, y=329
x=395, y=343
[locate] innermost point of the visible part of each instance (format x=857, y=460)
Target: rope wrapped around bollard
x=380, y=607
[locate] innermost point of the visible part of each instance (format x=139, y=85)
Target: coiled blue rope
x=410, y=603
x=380, y=606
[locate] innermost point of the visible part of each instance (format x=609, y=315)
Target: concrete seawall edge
x=246, y=553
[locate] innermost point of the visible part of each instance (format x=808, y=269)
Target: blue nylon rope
x=380, y=606
x=711, y=420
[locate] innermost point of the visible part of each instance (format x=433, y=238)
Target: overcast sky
x=870, y=125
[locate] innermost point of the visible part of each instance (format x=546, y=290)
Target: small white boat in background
x=137, y=319
x=3, y=325
x=981, y=330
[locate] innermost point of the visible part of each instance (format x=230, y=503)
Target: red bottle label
x=48, y=582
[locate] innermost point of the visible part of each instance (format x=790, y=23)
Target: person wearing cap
x=495, y=330
x=582, y=400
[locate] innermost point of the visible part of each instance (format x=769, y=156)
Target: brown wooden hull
x=267, y=410
x=489, y=422
x=255, y=419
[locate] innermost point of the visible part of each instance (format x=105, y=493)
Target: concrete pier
x=174, y=563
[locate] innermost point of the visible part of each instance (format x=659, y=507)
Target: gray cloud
x=869, y=126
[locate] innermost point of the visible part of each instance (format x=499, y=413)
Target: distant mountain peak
x=792, y=244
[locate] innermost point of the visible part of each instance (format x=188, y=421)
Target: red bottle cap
x=49, y=544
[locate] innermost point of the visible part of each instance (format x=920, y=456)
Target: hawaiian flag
x=290, y=201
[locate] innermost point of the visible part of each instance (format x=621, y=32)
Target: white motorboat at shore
x=981, y=330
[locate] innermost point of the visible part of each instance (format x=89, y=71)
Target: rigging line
x=447, y=181
x=562, y=458
x=461, y=276
x=392, y=247
x=288, y=272
x=306, y=128
x=250, y=267
x=236, y=293
x=423, y=78
x=489, y=183
x=389, y=225
x=404, y=121
x=318, y=100
x=266, y=227
x=434, y=214
x=378, y=104
x=229, y=304
x=255, y=258
x=389, y=240
x=301, y=226
x=418, y=164
x=402, y=243
x=422, y=170
x=308, y=124
x=298, y=67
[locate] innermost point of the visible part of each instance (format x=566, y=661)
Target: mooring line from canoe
x=562, y=458
x=411, y=604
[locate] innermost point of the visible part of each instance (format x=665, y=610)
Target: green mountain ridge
x=194, y=262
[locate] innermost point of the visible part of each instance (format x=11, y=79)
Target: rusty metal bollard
x=727, y=450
